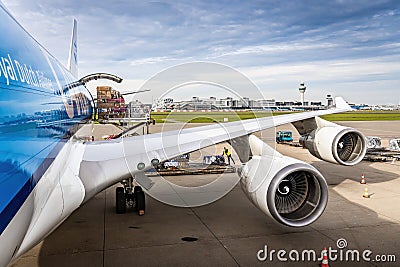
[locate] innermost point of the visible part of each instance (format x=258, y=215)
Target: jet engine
x=292, y=192
x=336, y=144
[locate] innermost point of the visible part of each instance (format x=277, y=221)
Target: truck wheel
x=120, y=200
x=140, y=200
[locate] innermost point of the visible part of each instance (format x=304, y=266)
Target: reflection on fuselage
x=38, y=113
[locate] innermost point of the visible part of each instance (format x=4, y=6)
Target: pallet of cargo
x=290, y=143
x=374, y=158
x=192, y=169
x=381, y=154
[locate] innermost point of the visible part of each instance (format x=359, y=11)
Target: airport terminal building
x=228, y=103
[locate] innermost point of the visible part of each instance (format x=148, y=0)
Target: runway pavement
x=231, y=231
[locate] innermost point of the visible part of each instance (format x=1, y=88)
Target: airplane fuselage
x=39, y=113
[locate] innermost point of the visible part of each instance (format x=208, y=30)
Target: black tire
x=140, y=200
x=120, y=200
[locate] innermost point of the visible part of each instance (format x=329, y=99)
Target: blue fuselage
x=38, y=112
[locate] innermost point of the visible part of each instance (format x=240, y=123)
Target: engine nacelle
x=336, y=144
x=290, y=191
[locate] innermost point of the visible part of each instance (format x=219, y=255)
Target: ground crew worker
x=228, y=155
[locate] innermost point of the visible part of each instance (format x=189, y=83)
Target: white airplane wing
x=107, y=162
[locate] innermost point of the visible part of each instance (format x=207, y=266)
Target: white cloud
x=150, y=60
x=273, y=48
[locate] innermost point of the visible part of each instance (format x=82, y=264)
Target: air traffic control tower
x=302, y=90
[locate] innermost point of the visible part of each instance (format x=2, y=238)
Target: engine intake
x=297, y=195
x=349, y=147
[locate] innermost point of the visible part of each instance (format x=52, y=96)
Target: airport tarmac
x=231, y=231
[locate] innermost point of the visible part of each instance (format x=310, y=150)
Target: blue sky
x=348, y=48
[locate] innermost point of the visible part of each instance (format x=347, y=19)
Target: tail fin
x=73, y=52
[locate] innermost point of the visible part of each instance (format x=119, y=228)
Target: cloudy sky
x=348, y=48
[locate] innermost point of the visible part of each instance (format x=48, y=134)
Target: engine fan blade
x=291, y=193
x=345, y=147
